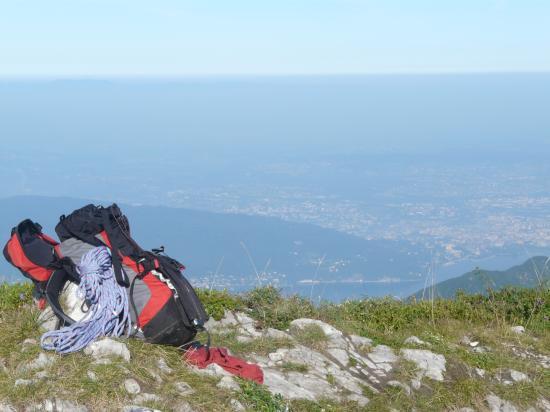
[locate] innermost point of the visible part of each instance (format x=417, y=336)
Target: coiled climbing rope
x=107, y=314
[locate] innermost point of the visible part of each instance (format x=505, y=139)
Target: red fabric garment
x=202, y=357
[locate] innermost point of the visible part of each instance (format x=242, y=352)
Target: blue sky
x=211, y=37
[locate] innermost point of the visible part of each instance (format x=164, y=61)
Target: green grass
x=15, y=295
x=442, y=323
x=385, y=316
x=312, y=336
x=294, y=367
x=260, y=346
x=216, y=302
x=258, y=398
x=273, y=310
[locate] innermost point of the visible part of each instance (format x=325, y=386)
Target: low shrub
x=511, y=305
x=275, y=311
x=216, y=302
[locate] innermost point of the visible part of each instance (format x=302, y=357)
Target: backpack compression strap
x=120, y=275
x=54, y=287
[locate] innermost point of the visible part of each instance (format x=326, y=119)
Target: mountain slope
x=371, y=355
x=529, y=274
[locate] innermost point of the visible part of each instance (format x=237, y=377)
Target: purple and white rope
x=108, y=313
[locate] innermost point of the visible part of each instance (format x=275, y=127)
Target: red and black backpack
x=33, y=253
x=163, y=305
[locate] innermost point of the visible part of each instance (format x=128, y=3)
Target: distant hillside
x=210, y=242
x=529, y=274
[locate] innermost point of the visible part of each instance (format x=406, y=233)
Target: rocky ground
x=317, y=362
x=310, y=365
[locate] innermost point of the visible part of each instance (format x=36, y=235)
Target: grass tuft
x=258, y=398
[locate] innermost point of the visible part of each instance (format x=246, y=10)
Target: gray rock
x=103, y=361
x=236, y=406
x=62, y=405
x=429, y=364
x=183, y=388
x=132, y=386
x=38, y=407
x=212, y=324
x=41, y=375
x=278, y=356
x=511, y=376
x=29, y=342
x=523, y=353
x=361, y=400
x=382, y=354
x=135, y=408
x=466, y=410
x=465, y=340
x=212, y=370
x=518, y=329
x=481, y=349
x=342, y=370
x=228, y=319
x=47, y=320
x=497, y=404
x=480, y=372
x=184, y=407
x=344, y=380
x=370, y=370
x=147, y=397
x=543, y=404
x=56, y=405
x=340, y=355
x=6, y=407
x=277, y=383
x=313, y=384
x=24, y=382
x=401, y=385
x=3, y=367
x=518, y=376
x=228, y=383
x=276, y=334
x=244, y=338
x=246, y=327
x=335, y=338
x=155, y=376
x=360, y=342
x=414, y=340
x=41, y=362
x=106, y=348
x=92, y=376
x=416, y=384
x=163, y=366
x=238, y=321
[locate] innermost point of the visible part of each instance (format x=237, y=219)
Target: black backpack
x=163, y=305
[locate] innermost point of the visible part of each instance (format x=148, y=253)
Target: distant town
x=460, y=212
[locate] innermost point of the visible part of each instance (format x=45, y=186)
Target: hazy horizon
x=453, y=164
x=422, y=125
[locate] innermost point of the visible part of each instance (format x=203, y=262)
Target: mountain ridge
x=531, y=273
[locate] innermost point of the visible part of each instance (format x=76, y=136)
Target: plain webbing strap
x=121, y=277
